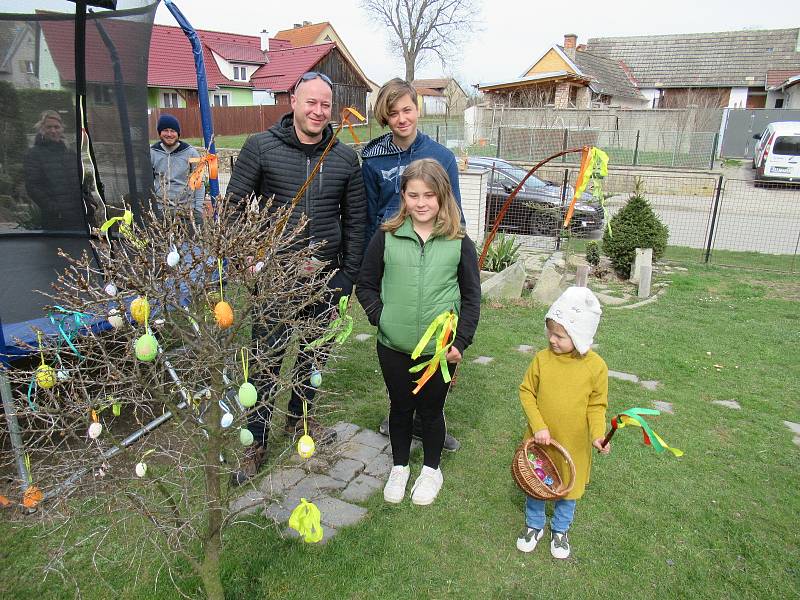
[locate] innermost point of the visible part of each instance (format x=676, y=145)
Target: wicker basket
x=529, y=482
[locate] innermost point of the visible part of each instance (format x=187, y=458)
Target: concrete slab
x=623, y=376
x=312, y=488
x=371, y=438
x=796, y=440
x=649, y=384
x=663, y=406
x=548, y=285
x=483, y=360
x=278, y=481
x=346, y=469
x=339, y=513
x=506, y=284
x=344, y=431
x=795, y=427
x=361, y=488
x=380, y=466
x=277, y=512
x=525, y=348
x=728, y=404
x=360, y=452
x=249, y=502
x=609, y=300
x=363, y=337
x=327, y=533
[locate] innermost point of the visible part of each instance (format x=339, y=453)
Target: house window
x=778, y=102
x=169, y=100
x=222, y=99
x=27, y=66
x=102, y=94
x=240, y=73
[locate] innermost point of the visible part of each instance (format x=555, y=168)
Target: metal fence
x=714, y=219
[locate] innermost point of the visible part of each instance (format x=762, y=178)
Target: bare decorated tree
x=170, y=346
x=421, y=28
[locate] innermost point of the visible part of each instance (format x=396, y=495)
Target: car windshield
x=787, y=145
x=532, y=181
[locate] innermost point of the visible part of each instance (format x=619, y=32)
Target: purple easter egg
x=540, y=474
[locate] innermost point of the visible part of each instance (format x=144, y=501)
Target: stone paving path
x=336, y=479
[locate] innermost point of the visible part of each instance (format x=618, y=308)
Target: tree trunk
x=410, y=62
x=212, y=542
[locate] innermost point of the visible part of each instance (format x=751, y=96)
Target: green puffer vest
x=419, y=283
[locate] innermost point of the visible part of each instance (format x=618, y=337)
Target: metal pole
x=499, y=131
x=562, y=212
x=13, y=428
x=636, y=149
x=713, y=151
x=564, y=143
x=712, y=226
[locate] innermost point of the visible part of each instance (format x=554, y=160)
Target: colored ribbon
x=594, y=167
x=446, y=323
x=633, y=416
x=340, y=328
x=245, y=362
x=196, y=178
x=352, y=111
x=59, y=323
x=125, y=228
x=305, y=520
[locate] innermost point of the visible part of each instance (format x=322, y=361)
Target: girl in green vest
x=419, y=264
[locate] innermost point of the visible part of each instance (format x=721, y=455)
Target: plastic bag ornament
x=95, y=429
x=45, y=376
x=245, y=436
x=115, y=319
x=305, y=520
x=141, y=469
x=146, y=348
x=173, y=258
x=140, y=309
x=306, y=446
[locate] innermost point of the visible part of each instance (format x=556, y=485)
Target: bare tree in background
x=420, y=28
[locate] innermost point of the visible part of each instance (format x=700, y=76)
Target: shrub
x=634, y=226
x=503, y=253
x=593, y=253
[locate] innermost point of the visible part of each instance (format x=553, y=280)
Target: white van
x=777, y=153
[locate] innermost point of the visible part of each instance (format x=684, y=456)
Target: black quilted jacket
x=274, y=162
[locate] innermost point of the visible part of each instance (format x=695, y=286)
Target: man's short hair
x=391, y=92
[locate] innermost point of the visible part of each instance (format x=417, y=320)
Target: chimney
x=264, y=40
x=581, y=48
x=297, y=25
x=570, y=41
x=306, y=23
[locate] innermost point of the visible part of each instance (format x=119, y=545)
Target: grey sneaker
x=528, y=538
x=559, y=545
x=251, y=464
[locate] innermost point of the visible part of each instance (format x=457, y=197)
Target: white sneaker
x=559, y=545
x=395, y=488
x=528, y=538
x=427, y=486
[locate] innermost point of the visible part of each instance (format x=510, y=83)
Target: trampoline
x=74, y=150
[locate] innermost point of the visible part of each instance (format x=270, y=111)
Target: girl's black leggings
x=429, y=403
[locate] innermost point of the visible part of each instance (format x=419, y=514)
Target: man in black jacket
x=277, y=162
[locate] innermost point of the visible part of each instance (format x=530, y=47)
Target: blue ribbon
x=78, y=317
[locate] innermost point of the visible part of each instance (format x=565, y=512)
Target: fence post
x=713, y=224
x=636, y=149
x=499, y=132
x=713, y=151
x=438, y=141
x=563, y=211
x=564, y=143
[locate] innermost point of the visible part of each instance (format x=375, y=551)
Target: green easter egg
x=316, y=379
x=146, y=348
x=245, y=436
x=247, y=394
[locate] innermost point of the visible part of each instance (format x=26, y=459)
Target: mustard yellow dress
x=567, y=395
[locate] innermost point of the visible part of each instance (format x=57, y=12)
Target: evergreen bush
x=634, y=226
x=593, y=253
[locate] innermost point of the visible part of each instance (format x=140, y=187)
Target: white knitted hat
x=578, y=311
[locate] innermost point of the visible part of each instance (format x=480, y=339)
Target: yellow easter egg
x=45, y=377
x=224, y=314
x=140, y=309
x=306, y=446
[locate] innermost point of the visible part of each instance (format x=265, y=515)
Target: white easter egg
x=62, y=375
x=173, y=258
x=115, y=319
x=111, y=289
x=95, y=429
x=226, y=420
x=259, y=266
x=141, y=469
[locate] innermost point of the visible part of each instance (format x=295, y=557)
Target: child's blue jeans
x=563, y=513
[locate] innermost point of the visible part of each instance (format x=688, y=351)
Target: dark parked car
x=537, y=208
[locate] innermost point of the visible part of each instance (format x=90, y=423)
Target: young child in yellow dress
x=565, y=396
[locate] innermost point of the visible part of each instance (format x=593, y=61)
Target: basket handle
x=563, y=451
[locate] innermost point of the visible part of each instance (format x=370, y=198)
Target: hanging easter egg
x=245, y=436
x=115, y=319
x=224, y=314
x=62, y=375
x=258, y=266
x=45, y=376
x=305, y=446
x=173, y=258
x=141, y=469
x=226, y=420
x=316, y=379
x=247, y=394
x=95, y=429
x=146, y=348
x=32, y=496
x=110, y=289
x=140, y=309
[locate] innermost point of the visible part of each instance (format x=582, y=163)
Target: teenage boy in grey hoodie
x=384, y=160
x=171, y=168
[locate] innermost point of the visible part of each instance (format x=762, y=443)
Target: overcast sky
x=514, y=33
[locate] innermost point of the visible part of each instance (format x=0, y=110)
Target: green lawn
x=721, y=522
